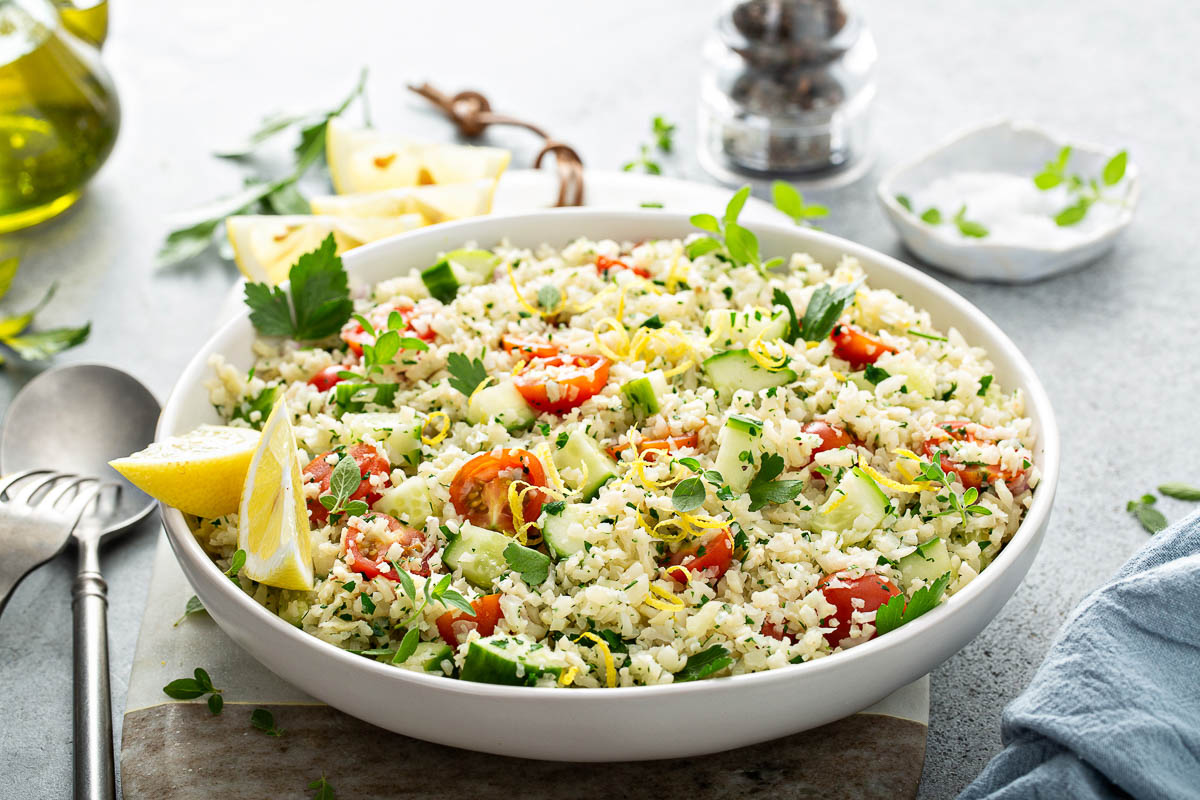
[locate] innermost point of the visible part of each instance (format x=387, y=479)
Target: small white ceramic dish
x=1019, y=148
x=633, y=723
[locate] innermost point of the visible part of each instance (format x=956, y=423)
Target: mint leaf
x=533, y=566
x=1151, y=518
x=408, y=646
x=194, y=606
x=703, y=664
x=263, y=720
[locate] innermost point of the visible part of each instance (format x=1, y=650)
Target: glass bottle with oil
x=58, y=109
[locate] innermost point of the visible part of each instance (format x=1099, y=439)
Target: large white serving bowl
x=633, y=723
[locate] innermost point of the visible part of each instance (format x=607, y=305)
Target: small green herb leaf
x=688, y=495
x=1180, y=491
x=932, y=216
x=263, y=720
x=896, y=612
x=824, y=308
x=664, y=133
x=1114, y=170
x=408, y=646
x=324, y=790
x=781, y=298
x=533, y=566
x=984, y=383
x=703, y=664
x=764, y=489
x=465, y=374
x=904, y=202
x=1151, y=518
x=194, y=606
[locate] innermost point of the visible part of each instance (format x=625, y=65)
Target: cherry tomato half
x=367, y=553
x=369, y=463
x=355, y=335
x=972, y=476
x=479, y=490
x=457, y=623
x=327, y=378
x=557, y=385
x=848, y=594
x=528, y=347
x=707, y=560
x=604, y=264
x=851, y=344
x=832, y=437
x=648, y=446
x=779, y=632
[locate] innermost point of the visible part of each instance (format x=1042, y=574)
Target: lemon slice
x=266, y=247
x=273, y=520
x=439, y=203
x=199, y=473
x=371, y=161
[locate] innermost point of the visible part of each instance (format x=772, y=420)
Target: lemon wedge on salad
x=437, y=203
x=199, y=473
x=273, y=520
x=265, y=247
x=362, y=160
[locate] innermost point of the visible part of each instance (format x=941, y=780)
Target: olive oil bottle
x=58, y=112
x=87, y=19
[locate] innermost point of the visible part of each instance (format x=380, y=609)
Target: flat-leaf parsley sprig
x=316, y=304
x=897, y=611
x=465, y=374
x=728, y=239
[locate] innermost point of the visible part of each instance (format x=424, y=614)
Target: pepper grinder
x=787, y=90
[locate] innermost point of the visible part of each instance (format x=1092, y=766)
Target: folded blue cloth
x=1115, y=707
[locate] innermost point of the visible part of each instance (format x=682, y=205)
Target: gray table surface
x=1115, y=344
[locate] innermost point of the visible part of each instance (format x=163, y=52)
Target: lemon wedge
x=272, y=519
x=199, y=473
x=438, y=203
x=371, y=161
x=265, y=247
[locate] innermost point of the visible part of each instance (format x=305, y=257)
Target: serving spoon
x=76, y=419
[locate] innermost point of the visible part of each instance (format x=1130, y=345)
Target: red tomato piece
x=327, y=378
x=604, y=264
x=779, y=632
x=648, y=446
x=369, y=463
x=479, y=490
x=355, y=335
x=848, y=594
x=832, y=437
x=456, y=623
x=972, y=476
x=707, y=560
x=527, y=347
x=557, y=385
x=367, y=554
x=851, y=344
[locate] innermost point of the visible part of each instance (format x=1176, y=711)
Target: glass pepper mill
x=58, y=109
x=787, y=89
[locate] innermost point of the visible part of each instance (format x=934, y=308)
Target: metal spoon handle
x=94, y=769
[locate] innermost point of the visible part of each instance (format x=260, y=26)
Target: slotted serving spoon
x=75, y=420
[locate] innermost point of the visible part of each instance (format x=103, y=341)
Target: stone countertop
x=1115, y=343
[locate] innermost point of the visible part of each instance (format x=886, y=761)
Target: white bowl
x=1020, y=148
x=638, y=722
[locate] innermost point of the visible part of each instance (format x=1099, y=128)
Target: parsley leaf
x=780, y=298
x=533, y=566
x=704, y=663
x=1151, y=518
x=765, y=489
x=875, y=374
x=320, y=298
x=40, y=345
x=1180, y=491
x=984, y=383
x=689, y=494
x=896, y=612
x=824, y=308
x=465, y=374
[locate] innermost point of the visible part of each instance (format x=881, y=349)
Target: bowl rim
x=900, y=217
x=185, y=545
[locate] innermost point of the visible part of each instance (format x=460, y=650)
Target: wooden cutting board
x=181, y=751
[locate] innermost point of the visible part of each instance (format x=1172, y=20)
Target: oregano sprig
x=728, y=239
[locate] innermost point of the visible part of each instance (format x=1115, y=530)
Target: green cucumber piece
x=928, y=562
x=510, y=661
x=441, y=281
x=566, y=532
x=743, y=327
x=503, y=403
x=642, y=393
x=430, y=657
x=476, y=266
x=863, y=497
x=581, y=452
x=399, y=433
x=479, y=553
x=408, y=501
x=739, y=435
x=736, y=369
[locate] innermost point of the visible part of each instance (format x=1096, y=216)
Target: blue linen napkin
x=1115, y=707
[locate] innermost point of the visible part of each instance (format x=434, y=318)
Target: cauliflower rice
x=764, y=609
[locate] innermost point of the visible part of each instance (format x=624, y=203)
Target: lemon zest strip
x=759, y=351
x=568, y=677
x=669, y=600
x=687, y=573
x=836, y=503
x=512, y=279
x=615, y=326
x=610, y=669
x=441, y=434
x=883, y=480
x=483, y=384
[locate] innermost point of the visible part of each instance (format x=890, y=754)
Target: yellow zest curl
x=610, y=669
x=568, y=677
x=539, y=312
x=483, y=384
x=883, y=480
x=673, y=276
x=683, y=571
x=833, y=506
x=761, y=353
x=669, y=600
x=441, y=434
x=611, y=324
x=682, y=533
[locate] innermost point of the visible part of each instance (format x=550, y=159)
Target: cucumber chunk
x=737, y=451
x=456, y=269
x=503, y=403
x=862, y=498
x=642, y=393
x=399, y=433
x=431, y=657
x=742, y=327
x=510, y=661
x=566, y=532
x=736, y=369
x=479, y=553
x=408, y=501
x=928, y=562
x=441, y=281
x=581, y=452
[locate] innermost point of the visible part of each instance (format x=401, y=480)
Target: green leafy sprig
x=324, y=789
x=1180, y=491
x=319, y=294
x=644, y=162
x=934, y=216
x=703, y=664
x=1143, y=509
x=388, y=342
x=1084, y=192
x=964, y=504
x=196, y=687
x=824, y=309
x=896, y=611
x=34, y=345
x=791, y=202
x=465, y=374
x=193, y=606
x=263, y=720
x=664, y=133
x=534, y=567
x=343, y=483
x=764, y=489
x=728, y=239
